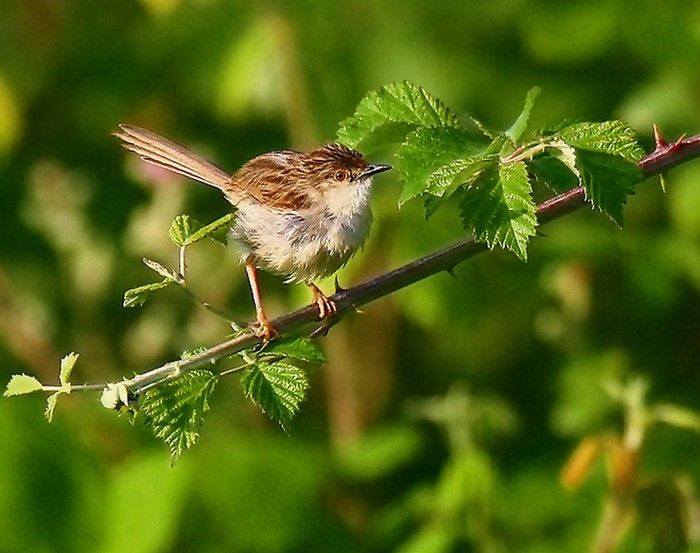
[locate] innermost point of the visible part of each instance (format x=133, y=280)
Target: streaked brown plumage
x=299, y=214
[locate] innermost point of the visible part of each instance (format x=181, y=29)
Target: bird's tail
x=168, y=155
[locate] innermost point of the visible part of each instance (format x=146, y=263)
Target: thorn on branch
x=666, y=155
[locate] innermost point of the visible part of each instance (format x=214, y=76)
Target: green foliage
x=185, y=231
x=300, y=349
x=608, y=181
x=438, y=157
x=520, y=125
x=388, y=114
x=67, y=364
x=162, y=271
x=277, y=387
x=498, y=209
x=21, y=384
x=175, y=411
x=611, y=137
x=426, y=151
x=136, y=297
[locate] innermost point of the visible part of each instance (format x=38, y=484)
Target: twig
x=664, y=157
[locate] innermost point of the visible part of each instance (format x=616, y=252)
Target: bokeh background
x=446, y=412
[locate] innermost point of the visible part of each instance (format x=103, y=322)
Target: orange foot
x=326, y=306
x=263, y=329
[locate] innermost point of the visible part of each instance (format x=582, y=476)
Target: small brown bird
x=299, y=214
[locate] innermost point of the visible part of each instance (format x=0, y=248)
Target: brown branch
x=664, y=157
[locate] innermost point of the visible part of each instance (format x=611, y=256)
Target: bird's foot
x=326, y=306
x=263, y=329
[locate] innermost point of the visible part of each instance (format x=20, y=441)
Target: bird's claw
x=263, y=329
x=326, y=306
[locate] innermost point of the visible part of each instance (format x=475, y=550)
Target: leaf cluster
x=491, y=173
x=274, y=379
x=184, y=231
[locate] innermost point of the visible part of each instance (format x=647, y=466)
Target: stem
x=664, y=157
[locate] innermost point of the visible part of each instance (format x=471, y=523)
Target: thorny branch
x=665, y=156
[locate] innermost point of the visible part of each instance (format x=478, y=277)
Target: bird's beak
x=372, y=170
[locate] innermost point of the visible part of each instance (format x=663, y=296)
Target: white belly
x=303, y=246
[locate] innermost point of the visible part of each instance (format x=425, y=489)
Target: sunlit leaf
x=136, y=297
x=162, y=271
x=278, y=388
x=174, y=411
x=392, y=112
x=51, y=402
x=21, y=384
x=610, y=137
x=521, y=123
x=426, y=150
x=67, y=364
x=499, y=209
x=608, y=180
x=216, y=230
x=302, y=349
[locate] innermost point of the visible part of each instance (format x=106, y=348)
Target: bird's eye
x=341, y=175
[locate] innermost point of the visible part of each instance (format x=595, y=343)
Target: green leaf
x=551, y=172
x=162, y=271
x=136, y=297
x=461, y=171
x=217, y=230
x=675, y=415
x=277, y=388
x=51, y=402
x=610, y=137
x=608, y=180
x=521, y=123
x=174, y=411
x=182, y=227
x=393, y=111
x=301, y=349
x=425, y=151
x=499, y=209
x=556, y=167
x=185, y=231
x=67, y=364
x=21, y=384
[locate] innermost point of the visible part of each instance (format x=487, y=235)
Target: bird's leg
x=326, y=306
x=264, y=328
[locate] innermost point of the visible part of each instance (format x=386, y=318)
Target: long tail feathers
x=166, y=154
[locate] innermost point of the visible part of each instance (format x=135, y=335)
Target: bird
x=301, y=215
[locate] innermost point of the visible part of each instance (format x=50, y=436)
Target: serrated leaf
x=426, y=150
x=185, y=231
x=51, y=402
x=392, y=112
x=67, y=364
x=21, y=384
x=499, y=209
x=608, y=180
x=182, y=227
x=521, y=123
x=302, y=349
x=551, y=172
x=277, y=388
x=162, y=271
x=136, y=297
x=610, y=137
x=461, y=171
x=174, y=411
x=556, y=167
x=212, y=230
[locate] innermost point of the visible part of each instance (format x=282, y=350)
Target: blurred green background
x=446, y=412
